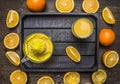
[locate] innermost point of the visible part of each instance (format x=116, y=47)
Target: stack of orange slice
x=18, y=77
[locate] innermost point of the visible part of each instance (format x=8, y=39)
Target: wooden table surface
x=6, y=67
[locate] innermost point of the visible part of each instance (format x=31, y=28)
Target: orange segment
x=18, y=77
x=13, y=57
x=12, y=19
x=90, y=6
x=45, y=80
x=110, y=58
x=72, y=78
x=73, y=54
x=99, y=77
x=108, y=16
x=64, y=5
x=11, y=40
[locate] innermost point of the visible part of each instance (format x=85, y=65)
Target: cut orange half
x=99, y=77
x=72, y=78
x=108, y=16
x=64, y=6
x=18, y=77
x=73, y=54
x=110, y=58
x=12, y=19
x=13, y=57
x=45, y=80
x=11, y=40
x=90, y=6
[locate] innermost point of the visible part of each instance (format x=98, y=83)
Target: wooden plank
x=58, y=64
x=54, y=20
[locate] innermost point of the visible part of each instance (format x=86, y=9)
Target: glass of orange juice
x=82, y=28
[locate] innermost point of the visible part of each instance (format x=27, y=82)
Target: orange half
x=72, y=78
x=45, y=80
x=110, y=59
x=11, y=40
x=99, y=77
x=64, y=6
x=18, y=77
x=90, y=6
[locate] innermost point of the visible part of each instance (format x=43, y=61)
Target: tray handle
x=24, y=59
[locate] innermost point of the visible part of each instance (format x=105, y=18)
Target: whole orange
x=106, y=37
x=36, y=5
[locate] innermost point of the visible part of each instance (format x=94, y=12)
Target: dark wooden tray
x=58, y=27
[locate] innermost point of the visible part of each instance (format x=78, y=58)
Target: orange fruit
x=64, y=6
x=13, y=57
x=18, y=77
x=71, y=78
x=73, y=54
x=90, y=6
x=106, y=37
x=108, y=16
x=11, y=40
x=99, y=77
x=110, y=58
x=12, y=19
x=45, y=80
x=36, y=5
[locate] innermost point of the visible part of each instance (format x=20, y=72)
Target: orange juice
x=82, y=28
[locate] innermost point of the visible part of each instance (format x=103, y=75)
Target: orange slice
x=108, y=16
x=45, y=80
x=73, y=54
x=90, y=6
x=71, y=78
x=18, y=77
x=11, y=40
x=110, y=59
x=13, y=57
x=99, y=77
x=12, y=19
x=64, y=6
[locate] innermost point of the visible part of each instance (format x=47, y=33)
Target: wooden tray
x=58, y=27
